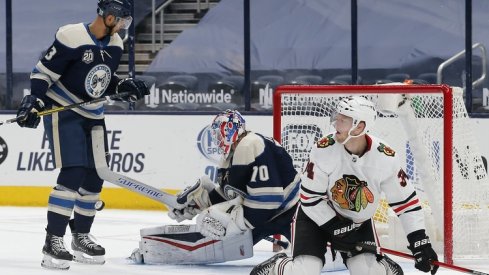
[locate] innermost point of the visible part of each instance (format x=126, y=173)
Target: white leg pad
x=301, y=265
x=365, y=264
x=183, y=244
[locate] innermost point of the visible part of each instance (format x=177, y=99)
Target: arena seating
x=308, y=80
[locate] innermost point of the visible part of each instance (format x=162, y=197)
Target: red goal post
x=434, y=139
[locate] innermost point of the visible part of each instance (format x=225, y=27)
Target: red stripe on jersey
x=400, y=208
x=304, y=197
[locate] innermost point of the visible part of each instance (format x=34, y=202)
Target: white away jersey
x=337, y=182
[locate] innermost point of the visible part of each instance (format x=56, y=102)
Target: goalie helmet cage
x=429, y=128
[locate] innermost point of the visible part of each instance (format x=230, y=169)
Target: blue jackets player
x=79, y=66
x=258, y=185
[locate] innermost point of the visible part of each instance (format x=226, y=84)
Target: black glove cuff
x=418, y=240
x=28, y=100
x=416, y=236
x=31, y=101
x=120, y=85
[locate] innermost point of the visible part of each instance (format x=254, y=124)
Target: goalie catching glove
x=423, y=253
x=192, y=200
x=223, y=220
x=136, y=88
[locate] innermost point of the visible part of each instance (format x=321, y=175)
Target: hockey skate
x=85, y=250
x=55, y=254
x=391, y=267
x=266, y=267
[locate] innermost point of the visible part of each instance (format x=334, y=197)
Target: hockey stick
x=377, y=249
x=69, y=107
x=106, y=174
x=283, y=244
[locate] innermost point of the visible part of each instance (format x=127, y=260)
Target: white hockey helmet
x=226, y=128
x=359, y=109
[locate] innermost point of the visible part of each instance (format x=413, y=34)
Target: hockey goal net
x=428, y=126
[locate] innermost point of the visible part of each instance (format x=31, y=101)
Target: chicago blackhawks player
x=341, y=189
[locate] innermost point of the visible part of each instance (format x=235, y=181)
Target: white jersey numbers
x=50, y=53
x=261, y=172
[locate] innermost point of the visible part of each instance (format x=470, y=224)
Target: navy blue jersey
x=262, y=172
x=76, y=68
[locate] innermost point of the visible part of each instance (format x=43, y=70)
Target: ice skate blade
x=80, y=257
x=53, y=263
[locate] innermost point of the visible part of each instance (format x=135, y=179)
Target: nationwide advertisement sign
x=164, y=151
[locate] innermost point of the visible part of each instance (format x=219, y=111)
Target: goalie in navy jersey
x=340, y=191
x=257, y=189
x=79, y=66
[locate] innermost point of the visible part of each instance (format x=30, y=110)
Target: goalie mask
x=359, y=109
x=226, y=129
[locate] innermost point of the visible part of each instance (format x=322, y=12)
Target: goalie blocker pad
x=183, y=244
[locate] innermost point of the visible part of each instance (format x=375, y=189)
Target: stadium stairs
x=179, y=16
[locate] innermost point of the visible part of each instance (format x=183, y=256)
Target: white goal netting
x=429, y=128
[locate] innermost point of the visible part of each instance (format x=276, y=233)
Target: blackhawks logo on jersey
x=351, y=193
x=386, y=150
x=326, y=141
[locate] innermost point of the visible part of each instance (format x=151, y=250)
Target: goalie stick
x=148, y=191
x=377, y=249
x=126, y=182
x=71, y=106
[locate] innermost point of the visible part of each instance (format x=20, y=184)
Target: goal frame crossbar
x=390, y=89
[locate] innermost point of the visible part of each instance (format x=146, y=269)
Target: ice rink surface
x=22, y=236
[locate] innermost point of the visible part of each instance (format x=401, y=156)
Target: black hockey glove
x=339, y=227
x=27, y=112
x=423, y=253
x=136, y=88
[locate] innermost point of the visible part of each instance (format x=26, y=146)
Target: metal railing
x=199, y=5
x=161, y=11
x=476, y=83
